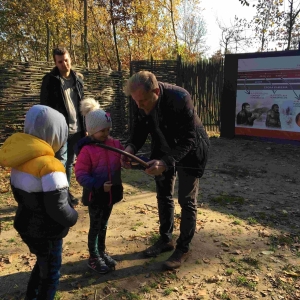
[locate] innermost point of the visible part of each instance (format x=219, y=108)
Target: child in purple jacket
x=99, y=170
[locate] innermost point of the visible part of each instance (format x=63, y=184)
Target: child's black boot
x=109, y=261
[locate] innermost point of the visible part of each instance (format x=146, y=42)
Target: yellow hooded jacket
x=38, y=182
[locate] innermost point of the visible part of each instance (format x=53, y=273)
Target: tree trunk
x=173, y=26
x=85, y=33
x=115, y=36
x=71, y=44
x=290, y=25
x=48, y=42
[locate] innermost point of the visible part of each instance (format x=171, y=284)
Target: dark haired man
x=245, y=116
x=62, y=89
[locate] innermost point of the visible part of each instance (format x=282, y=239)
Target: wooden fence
x=203, y=80
x=20, y=89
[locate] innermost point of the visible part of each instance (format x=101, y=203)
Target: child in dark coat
x=40, y=187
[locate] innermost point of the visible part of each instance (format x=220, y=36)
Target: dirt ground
x=246, y=245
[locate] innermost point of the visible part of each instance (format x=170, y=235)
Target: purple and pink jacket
x=96, y=165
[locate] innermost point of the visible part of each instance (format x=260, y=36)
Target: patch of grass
x=168, y=291
x=154, y=238
x=232, y=259
x=229, y=272
x=224, y=296
x=237, y=231
x=172, y=276
x=12, y=240
x=251, y=261
x=225, y=199
x=91, y=281
x=198, y=262
x=6, y=225
x=237, y=222
x=281, y=240
x=153, y=285
x=145, y=289
x=124, y=294
x=289, y=288
x=289, y=268
x=136, y=226
x=57, y=296
x=252, y=221
x=243, y=281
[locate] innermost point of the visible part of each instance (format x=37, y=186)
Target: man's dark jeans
x=187, y=197
x=99, y=215
x=44, y=278
x=66, y=154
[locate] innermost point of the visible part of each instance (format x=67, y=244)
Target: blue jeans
x=66, y=153
x=187, y=197
x=44, y=278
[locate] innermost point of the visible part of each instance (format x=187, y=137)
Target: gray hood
x=47, y=124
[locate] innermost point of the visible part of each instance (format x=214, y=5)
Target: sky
x=224, y=10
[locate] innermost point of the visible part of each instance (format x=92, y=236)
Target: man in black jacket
x=62, y=89
x=179, y=144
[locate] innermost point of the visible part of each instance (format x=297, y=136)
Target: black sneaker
x=109, y=261
x=175, y=260
x=74, y=201
x=98, y=265
x=159, y=247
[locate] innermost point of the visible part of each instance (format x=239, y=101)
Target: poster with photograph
x=268, y=97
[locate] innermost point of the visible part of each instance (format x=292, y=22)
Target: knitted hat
x=96, y=119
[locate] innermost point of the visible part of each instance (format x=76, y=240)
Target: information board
x=268, y=97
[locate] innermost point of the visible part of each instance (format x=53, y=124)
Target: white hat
x=96, y=119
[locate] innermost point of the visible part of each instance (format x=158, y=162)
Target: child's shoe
x=109, y=261
x=98, y=265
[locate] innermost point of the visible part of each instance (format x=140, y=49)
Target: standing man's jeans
x=66, y=153
x=44, y=278
x=99, y=215
x=187, y=197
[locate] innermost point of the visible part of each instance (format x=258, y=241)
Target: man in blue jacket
x=40, y=187
x=179, y=144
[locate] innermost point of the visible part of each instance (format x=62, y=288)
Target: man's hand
x=157, y=167
x=125, y=160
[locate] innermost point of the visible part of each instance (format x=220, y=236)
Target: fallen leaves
x=267, y=252
x=292, y=274
x=206, y=260
x=215, y=279
x=264, y=233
